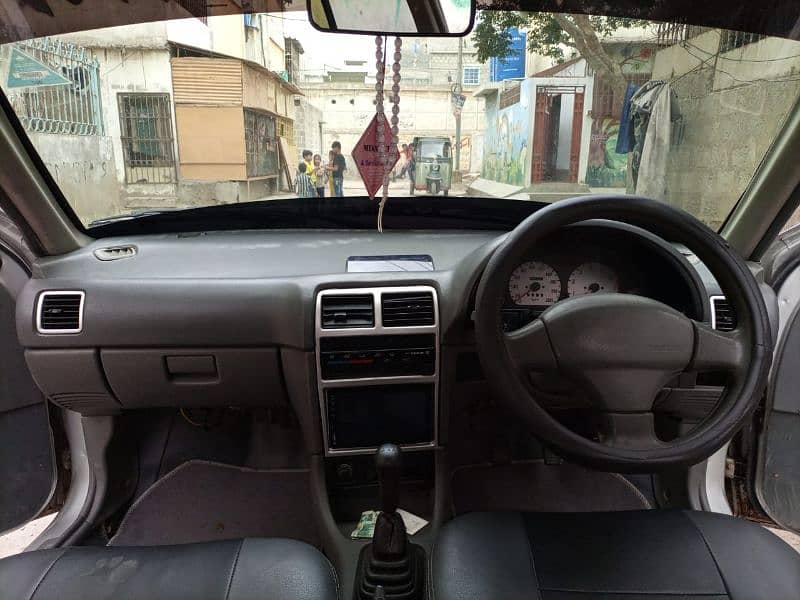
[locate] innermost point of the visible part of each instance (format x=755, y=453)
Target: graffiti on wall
x=505, y=150
x=606, y=168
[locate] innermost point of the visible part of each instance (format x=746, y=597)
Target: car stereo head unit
x=368, y=416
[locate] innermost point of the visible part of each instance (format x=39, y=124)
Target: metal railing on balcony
x=65, y=99
x=730, y=40
x=668, y=34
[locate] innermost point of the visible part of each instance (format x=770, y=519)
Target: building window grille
x=261, y=144
x=147, y=139
x=472, y=75
x=71, y=105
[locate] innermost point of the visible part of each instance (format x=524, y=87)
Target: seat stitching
x=335, y=576
x=638, y=594
x=429, y=575
x=44, y=575
x=530, y=555
x=710, y=552
x=233, y=569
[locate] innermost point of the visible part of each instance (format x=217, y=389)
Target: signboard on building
x=368, y=162
x=26, y=71
x=513, y=66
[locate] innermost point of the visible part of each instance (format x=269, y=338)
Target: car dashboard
x=261, y=318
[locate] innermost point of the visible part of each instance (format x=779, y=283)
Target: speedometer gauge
x=592, y=278
x=534, y=284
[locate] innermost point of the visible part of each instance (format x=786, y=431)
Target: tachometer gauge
x=534, y=284
x=592, y=278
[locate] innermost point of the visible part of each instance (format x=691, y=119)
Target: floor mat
x=537, y=487
x=204, y=501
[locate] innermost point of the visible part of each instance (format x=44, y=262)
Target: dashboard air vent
x=347, y=311
x=724, y=315
x=407, y=309
x=60, y=312
x=115, y=252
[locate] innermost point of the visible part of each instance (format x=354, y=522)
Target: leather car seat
x=248, y=569
x=636, y=555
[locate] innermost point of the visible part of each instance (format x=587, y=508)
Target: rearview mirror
x=397, y=17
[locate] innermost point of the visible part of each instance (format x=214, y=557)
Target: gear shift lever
x=390, y=567
x=389, y=539
x=388, y=461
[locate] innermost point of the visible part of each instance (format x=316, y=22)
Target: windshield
x=184, y=114
x=433, y=149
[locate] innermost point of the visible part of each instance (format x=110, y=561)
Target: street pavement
x=355, y=187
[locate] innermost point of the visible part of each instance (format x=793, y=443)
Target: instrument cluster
x=576, y=266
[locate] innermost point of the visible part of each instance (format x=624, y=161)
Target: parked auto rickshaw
x=433, y=165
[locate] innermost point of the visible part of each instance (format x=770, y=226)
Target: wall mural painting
x=606, y=168
x=506, y=154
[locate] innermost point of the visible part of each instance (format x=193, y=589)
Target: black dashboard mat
x=204, y=501
x=534, y=486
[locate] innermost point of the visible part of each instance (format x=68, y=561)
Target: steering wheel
x=622, y=349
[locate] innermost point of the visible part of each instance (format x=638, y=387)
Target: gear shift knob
x=388, y=461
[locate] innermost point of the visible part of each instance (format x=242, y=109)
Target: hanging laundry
x=651, y=177
x=640, y=119
x=625, y=139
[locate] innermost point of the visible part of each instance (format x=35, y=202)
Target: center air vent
x=60, y=312
x=347, y=311
x=407, y=309
x=724, y=315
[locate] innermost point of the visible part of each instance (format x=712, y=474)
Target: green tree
x=549, y=34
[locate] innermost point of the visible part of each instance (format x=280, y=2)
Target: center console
x=378, y=363
x=378, y=368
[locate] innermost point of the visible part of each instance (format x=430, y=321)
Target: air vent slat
x=411, y=309
x=724, y=314
x=347, y=311
x=60, y=312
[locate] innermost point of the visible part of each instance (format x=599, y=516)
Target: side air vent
x=723, y=315
x=115, y=252
x=347, y=311
x=407, y=309
x=60, y=312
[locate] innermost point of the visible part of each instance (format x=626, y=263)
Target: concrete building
x=745, y=92
x=187, y=112
x=344, y=95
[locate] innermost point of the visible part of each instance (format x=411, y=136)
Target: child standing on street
x=303, y=186
x=329, y=171
x=319, y=176
x=310, y=167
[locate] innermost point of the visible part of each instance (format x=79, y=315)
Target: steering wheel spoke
x=633, y=431
x=717, y=350
x=529, y=348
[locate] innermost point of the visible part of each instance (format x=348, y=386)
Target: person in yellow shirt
x=307, y=158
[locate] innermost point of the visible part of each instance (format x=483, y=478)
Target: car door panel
x=777, y=484
x=27, y=465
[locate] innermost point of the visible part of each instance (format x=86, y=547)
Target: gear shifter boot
x=402, y=578
x=389, y=540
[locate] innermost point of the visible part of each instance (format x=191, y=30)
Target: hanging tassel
x=394, y=99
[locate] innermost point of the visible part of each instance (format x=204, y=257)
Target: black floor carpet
x=538, y=487
x=203, y=501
